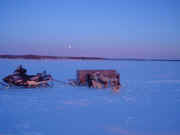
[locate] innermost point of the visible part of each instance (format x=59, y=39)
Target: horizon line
x=36, y=56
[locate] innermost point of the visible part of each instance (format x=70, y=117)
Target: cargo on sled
x=97, y=79
x=20, y=79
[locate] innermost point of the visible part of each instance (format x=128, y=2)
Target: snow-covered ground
x=147, y=104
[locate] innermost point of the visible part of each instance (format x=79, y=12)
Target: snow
x=147, y=104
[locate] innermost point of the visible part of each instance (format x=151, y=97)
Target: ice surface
x=147, y=104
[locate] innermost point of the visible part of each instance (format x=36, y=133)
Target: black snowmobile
x=20, y=79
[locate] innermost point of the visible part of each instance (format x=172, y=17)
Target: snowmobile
x=20, y=79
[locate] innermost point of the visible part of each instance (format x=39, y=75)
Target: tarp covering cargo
x=99, y=78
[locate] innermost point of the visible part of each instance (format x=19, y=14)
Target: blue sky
x=102, y=28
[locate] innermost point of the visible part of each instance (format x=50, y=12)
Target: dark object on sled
x=28, y=81
x=84, y=77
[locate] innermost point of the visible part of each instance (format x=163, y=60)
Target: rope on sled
x=70, y=82
x=58, y=81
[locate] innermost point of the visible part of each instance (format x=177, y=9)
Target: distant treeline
x=47, y=57
x=38, y=57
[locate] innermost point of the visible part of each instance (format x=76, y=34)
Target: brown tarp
x=82, y=74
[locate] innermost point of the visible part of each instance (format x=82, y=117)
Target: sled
x=82, y=75
x=98, y=79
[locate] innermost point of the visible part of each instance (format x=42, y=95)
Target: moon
x=69, y=46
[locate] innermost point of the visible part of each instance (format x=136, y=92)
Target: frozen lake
x=147, y=104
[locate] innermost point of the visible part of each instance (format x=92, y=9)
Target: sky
x=92, y=28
